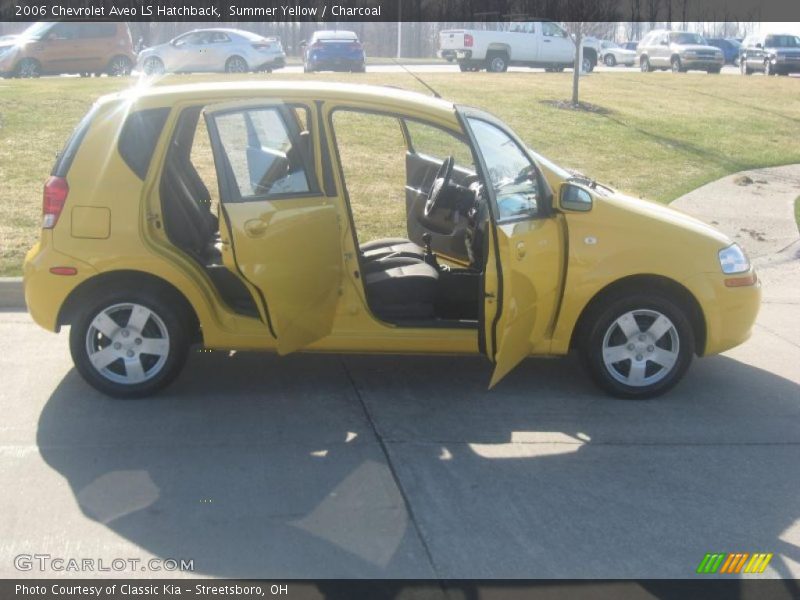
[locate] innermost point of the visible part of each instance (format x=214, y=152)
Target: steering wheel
x=440, y=183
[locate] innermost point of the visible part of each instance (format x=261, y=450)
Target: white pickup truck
x=542, y=44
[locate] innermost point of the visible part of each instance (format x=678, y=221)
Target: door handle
x=255, y=227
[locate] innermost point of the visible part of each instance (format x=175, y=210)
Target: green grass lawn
x=660, y=135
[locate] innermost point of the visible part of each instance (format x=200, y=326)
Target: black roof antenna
x=433, y=91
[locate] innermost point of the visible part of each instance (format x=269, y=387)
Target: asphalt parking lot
x=375, y=466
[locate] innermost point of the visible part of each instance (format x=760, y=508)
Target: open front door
x=282, y=231
x=524, y=266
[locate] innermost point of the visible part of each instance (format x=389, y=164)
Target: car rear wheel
x=638, y=346
x=153, y=66
x=29, y=67
x=130, y=344
x=236, y=64
x=587, y=65
x=644, y=65
x=120, y=66
x=768, y=68
x=610, y=60
x=497, y=62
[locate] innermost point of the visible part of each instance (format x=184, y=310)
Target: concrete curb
x=12, y=294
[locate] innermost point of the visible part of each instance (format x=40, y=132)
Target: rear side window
x=67, y=155
x=139, y=137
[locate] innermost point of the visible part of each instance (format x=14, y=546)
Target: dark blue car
x=334, y=51
x=730, y=49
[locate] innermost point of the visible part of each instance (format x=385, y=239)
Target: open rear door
x=282, y=230
x=524, y=266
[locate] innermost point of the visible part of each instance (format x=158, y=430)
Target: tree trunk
x=576, y=70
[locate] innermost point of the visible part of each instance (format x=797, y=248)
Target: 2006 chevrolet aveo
x=223, y=214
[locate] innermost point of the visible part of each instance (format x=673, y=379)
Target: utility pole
x=399, y=28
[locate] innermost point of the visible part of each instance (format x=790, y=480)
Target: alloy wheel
x=236, y=65
x=127, y=343
x=641, y=347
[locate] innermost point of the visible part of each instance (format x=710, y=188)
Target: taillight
x=468, y=40
x=55, y=195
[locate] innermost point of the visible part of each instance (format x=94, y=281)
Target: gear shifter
x=430, y=257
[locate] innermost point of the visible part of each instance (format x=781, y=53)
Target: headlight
x=733, y=260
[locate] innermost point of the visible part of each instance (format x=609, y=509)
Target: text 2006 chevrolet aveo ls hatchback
x=221, y=214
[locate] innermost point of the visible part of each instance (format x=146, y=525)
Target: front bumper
x=337, y=64
x=702, y=63
x=786, y=65
x=729, y=312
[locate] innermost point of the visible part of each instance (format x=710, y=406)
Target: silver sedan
x=214, y=50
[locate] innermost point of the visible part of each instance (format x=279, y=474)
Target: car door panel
x=530, y=255
x=287, y=247
x=525, y=255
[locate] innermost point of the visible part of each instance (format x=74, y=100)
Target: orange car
x=68, y=47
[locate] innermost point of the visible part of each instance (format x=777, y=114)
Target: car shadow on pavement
x=259, y=466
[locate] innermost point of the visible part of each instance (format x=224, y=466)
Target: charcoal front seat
x=400, y=287
x=382, y=248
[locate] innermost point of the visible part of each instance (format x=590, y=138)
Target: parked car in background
x=772, y=54
x=680, y=51
x=539, y=44
x=612, y=54
x=334, y=51
x=507, y=255
x=730, y=49
x=214, y=50
x=68, y=47
x=630, y=45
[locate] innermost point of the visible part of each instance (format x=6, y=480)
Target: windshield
x=36, y=31
x=783, y=41
x=687, y=38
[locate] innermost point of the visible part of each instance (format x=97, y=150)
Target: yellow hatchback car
x=234, y=216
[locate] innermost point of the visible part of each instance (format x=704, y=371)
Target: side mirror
x=574, y=198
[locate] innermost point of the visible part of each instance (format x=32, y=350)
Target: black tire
x=153, y=66
x=768, y=68
x=601, y=328
x=170, y=315
x=497, y=62
x=610, y=60
x=644, y=65
x=714, y=71
x=464, y=67
x=743, y=68
x=29, y=68
x=119, y=66
x=236, y=64
x=588, y=63
x=676, y=65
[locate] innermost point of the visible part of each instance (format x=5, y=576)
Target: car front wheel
x=644, y=65
x=638, y=346
x=130, y=344
x=610, y=60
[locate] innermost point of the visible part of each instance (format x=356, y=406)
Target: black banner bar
x=675, y=11
x=336, y=589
